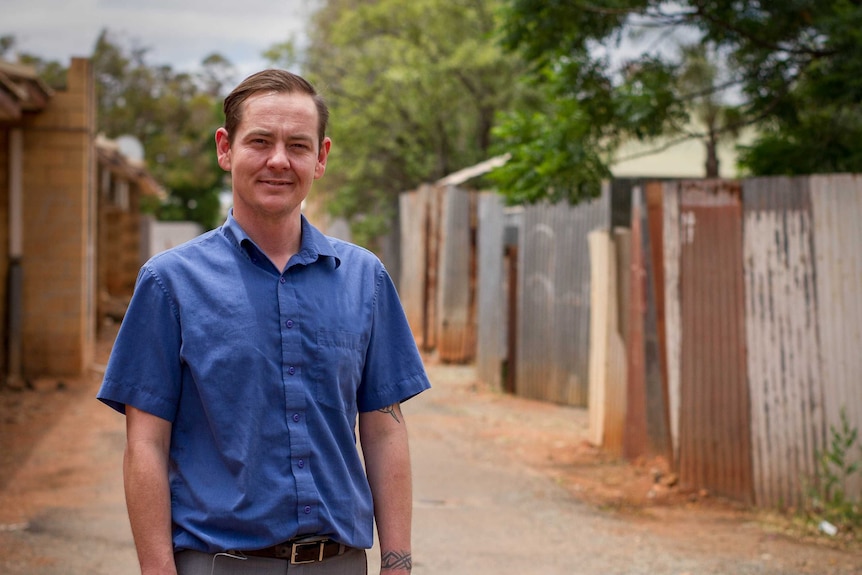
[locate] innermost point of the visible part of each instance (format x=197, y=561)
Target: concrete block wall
x=59, y=228
x=119, y=252
x=4, y=240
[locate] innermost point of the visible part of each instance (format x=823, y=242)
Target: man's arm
x=145, y=473
x=383, y=435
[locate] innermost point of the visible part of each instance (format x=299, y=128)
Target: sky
x=180, y=33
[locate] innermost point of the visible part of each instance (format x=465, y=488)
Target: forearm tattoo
x=391, y=410
x=396, y=560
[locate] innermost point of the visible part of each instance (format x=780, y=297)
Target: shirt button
x=282, y=280
x=301, y=463
x=291, y=370
x=289, y=323
x=307, y=509
x=296, y=417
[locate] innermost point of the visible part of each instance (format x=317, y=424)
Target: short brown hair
x=272, y=81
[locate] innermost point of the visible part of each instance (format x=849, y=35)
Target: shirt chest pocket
x=339, y=358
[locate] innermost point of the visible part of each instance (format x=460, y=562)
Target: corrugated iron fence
x=437, y=284
x=720, y=329
x=752, y=279
x=783, y=360
x=553, y=304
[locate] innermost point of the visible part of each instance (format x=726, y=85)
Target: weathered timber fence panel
x=610, y=283
x=781, y=334
x=491, y=342
x=607, y=384
x=672, y=311
x=552, y=355
x=602, y=324
x=837, y=213
x=715, y=450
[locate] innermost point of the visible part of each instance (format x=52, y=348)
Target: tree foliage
x=174, y=115
x=699, y=74
x=414, y=87
x=794, y=70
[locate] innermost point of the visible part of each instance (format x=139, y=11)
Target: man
x=243, y=361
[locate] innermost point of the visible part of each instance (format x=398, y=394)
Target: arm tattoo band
x=391, y=411
x=396, y=560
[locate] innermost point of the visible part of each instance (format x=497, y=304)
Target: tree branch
x=701, y=11
x=731, y=128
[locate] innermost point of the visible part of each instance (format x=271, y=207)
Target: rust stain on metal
x=456, y=334
x=715, y=444
x=658, y=418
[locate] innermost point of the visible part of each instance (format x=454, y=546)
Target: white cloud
x=180, y=33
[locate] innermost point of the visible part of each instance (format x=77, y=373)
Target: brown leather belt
x=301, y=551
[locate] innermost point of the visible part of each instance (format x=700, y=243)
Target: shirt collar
x=314, y=243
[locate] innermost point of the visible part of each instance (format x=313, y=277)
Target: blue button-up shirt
x=262, y=373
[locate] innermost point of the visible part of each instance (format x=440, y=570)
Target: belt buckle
x=295, y=548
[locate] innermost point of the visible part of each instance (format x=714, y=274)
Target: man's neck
x=278, y=238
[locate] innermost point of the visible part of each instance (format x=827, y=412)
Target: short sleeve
x=144, y=369
x=394, y=371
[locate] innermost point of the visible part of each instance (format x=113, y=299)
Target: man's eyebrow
x=302, y=137
x=254, y=132
x=258, y=132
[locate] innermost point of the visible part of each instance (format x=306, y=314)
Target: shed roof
x=21, y=90
x=111, y=157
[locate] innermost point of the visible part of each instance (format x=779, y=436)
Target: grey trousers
x=353, y=562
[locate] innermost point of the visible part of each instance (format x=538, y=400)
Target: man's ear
x=322, y=155
x=223, y=149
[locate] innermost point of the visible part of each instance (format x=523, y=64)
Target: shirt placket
x=307, y=508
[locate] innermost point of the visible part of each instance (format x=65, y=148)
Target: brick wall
x=59, y=225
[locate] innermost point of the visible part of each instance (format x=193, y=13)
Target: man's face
x=274, y=156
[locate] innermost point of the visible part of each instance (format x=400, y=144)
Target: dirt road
x=502, y=485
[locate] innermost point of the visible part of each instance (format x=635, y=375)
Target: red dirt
x=530, y=430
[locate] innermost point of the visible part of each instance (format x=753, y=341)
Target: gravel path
x=483, y=505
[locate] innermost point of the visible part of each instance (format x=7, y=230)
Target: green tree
x=7, y=43
x=282, y=55
x=217, y=74
x=414, y=87
x=797, y=73
x=174, y=115
x=699, y=73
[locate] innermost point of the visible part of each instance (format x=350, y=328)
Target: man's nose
x=279, y=158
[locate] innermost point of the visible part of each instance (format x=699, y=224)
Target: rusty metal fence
x=720, y=329
x=756, y=286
